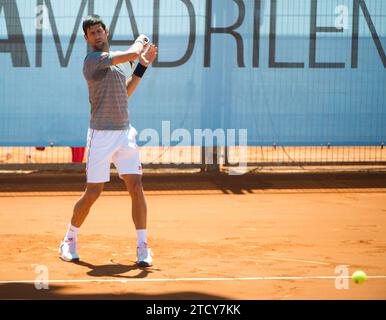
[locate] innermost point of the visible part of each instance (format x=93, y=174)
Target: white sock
x=142, y=237
x=72, y=233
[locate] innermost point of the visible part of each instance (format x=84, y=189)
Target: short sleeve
x=97, y=61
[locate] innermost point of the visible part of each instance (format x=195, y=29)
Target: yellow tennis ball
x=359, y=277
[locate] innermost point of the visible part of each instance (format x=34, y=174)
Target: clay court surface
x=260, y=236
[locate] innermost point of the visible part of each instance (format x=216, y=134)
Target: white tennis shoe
x=144, y=256
x=67, y=251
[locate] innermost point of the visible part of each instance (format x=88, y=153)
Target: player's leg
x=68, y=247
x=128, y=163
x=133, y=184
x=83, y=206
x=99, y=149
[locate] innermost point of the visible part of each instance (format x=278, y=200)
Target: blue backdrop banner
x=291, y=72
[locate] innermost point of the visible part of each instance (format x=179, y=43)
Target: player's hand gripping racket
x=143, y=39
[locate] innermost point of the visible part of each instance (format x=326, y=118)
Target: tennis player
x=111, y=138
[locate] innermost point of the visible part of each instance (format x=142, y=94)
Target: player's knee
x=135, y=189
x=93, y=193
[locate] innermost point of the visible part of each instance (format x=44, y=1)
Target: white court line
x=184, y=279
x=299, y=260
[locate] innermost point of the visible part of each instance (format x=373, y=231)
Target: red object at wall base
x=77, y=154
x=40, y=148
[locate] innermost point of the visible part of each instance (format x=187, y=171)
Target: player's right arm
x=97, y=61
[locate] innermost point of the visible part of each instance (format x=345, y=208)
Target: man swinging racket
x=110, y=136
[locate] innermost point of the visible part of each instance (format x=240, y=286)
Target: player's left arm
x=145, y=60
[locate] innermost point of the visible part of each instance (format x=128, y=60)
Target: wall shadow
x=56, y=292
x=75, y=182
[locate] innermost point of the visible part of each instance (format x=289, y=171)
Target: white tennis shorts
x=106, y=146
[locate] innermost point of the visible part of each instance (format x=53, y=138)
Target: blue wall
x=287, y=106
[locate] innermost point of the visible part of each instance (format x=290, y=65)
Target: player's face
x=97, y=37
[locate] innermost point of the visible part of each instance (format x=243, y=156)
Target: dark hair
x=92, y=21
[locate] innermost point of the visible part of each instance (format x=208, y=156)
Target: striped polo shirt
x=107, y=91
